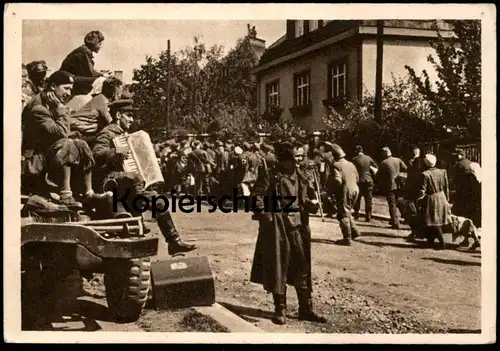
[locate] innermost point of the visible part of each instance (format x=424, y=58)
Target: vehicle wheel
x=127, y=287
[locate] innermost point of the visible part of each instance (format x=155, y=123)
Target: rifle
x=318, y=195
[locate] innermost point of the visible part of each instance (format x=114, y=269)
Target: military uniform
x=345, y=179
x=282, y=254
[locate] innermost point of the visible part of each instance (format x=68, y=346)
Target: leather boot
x=306, y=312
x=167, y=227
x=279, y=309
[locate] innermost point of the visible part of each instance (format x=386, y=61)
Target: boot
x=354, y=230
x=345, y=228
x=279, y=309
x=306, y=312
x=167, y=227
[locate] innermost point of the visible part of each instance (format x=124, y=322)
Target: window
x=272, y=95
x=302, y=89
x=299, y=28
x=313, y=25
x=337, y=79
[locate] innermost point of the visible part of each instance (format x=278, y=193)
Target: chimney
x=290, y=29
x=258, y=45
x=119, y=75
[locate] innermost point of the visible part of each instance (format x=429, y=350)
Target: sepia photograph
x=271, y=175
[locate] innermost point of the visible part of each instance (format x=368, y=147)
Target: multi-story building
x=321, y=63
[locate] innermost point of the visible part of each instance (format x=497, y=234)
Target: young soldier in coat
x=109, y=162
x=50, y=148
x=345, y=180
x=280, y=254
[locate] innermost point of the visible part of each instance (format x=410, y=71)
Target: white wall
x=397, y=54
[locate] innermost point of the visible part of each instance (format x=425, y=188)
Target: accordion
x=142, y=159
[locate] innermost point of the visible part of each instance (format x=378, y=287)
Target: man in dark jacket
x=80, y=63
x=364, y=164
x=414, y=179
x=465, y=182
x=280, y=254
x=109, y=161
x=390, y=169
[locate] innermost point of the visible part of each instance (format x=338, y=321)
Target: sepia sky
x=127, y=42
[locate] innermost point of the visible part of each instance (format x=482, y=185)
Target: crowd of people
x=202, y=167
x=71, y=118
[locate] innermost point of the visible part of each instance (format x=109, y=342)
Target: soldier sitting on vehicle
x=50, y=149
x=94, y=115
x=37, y=71
x=109, y=163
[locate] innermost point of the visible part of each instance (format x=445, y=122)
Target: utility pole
x=379, y=71
x=169, y=76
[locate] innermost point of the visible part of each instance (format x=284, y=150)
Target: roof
x=283, y=46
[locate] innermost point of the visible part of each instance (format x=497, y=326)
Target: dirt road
x=380, y=284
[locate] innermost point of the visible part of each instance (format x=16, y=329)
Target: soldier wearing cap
x=80, y=63
x=109, y=160
x=281, y=255
x=37, y=71
x=50, y=148
x=389, y=170
x=94, y=115
x=345, y=180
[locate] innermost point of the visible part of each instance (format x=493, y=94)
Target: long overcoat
x=274, y=264
x=434, y=197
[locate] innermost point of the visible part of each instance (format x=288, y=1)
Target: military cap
x=60, y=78
x=337, y=152
x=36, y=67
x=459, y=152
x=122, y=105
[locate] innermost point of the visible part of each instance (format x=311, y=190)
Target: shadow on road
x=323, y=241
x=248, y=312
x=382, y=235
x=399, y=245
x=456, y=262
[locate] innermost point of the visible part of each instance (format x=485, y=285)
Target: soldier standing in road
x=345, y=180
x=390, y=169
x=280, y=254
x=364, y=164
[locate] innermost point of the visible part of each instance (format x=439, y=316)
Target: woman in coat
x=434, y=197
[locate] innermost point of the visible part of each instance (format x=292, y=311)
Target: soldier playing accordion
x=109, y=165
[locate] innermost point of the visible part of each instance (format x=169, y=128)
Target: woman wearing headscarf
x=434, y=196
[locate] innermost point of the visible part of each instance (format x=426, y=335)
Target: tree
x=209, y=92
x=456, y=97
x=406, y=119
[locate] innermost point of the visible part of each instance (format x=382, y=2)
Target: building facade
x=318, y=64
